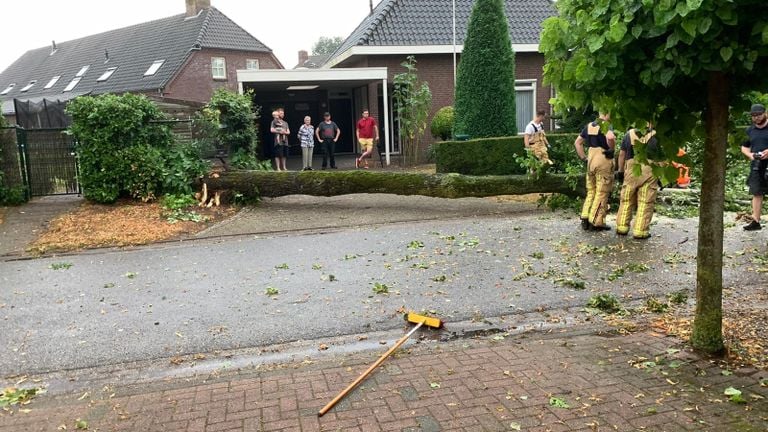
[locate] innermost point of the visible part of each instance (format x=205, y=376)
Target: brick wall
x=437, y=70
x=194, y=82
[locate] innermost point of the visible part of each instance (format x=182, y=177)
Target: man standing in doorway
x=756, y=149
x=599, y=159
x=367, y=132
x=328, y=133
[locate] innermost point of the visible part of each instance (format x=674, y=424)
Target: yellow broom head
x=428, y=321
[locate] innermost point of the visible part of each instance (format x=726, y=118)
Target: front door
x=342, y=114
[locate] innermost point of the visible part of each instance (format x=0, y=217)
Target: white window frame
x=107, y=73
x=75, y=81
x=222, y=67
x=526, y=85
x=154, y=67
x=82, y=70
x=252, y=61
x=8, y=89
x=28, y=86
x=52, y=82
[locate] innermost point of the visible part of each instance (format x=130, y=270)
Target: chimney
x=53, y=47
x=370, y=4
x=195, y=6
x=303, y=57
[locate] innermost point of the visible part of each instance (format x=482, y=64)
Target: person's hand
x=763, y=155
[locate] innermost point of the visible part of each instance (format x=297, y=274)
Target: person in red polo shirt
x=367, y=132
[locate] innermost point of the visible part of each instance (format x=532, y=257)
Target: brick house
x=424, y=28
x=180, y=59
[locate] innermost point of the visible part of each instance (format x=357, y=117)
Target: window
x=218, y=68
x=82, y=70
x=107, y=73
x=153, y=69
x=72, y=84
x=251, y=64
x=7, y=89
x=52, y=82
x=525, y=98
x=28, y=86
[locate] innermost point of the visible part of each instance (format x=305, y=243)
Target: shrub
x=485, y=81
x=442, y=123
x=122, y=150
x=237, y=117
x=497, y=156
x=242, y=159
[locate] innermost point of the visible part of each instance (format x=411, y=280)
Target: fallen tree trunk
x=255, y=184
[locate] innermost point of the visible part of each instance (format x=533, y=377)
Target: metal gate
x=48, y=162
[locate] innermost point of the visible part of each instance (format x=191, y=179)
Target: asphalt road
x=108, y=307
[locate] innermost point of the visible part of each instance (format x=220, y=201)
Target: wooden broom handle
x=368, y=372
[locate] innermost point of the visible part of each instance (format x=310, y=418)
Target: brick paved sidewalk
x=621, y=383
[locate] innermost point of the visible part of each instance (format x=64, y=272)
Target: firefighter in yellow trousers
x=637, y=191
x=535, y=139
x=599, y=159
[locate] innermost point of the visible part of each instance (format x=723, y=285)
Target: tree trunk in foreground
x=708, y=322
x=254, y=184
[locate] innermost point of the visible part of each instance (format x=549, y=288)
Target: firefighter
x=535, y=139
x=637, y=191
x=599, y=160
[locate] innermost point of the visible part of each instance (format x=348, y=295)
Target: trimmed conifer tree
x=485, y=81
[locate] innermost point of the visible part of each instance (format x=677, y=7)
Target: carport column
x=386, y=119
x=240, y=87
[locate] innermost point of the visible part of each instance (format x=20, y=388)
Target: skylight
x=28, y=86
x=72, y=84
x=52, y=82
x=107, y=73
x=155, y=66
x=7, y=89
x=83, y=70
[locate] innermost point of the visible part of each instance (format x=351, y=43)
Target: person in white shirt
x=536, y=139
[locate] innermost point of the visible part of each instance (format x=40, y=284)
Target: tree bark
x=255, y=184
x=708, y=322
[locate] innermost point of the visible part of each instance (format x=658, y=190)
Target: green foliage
x=176, y=208
x=500, y=156
x=9, y=194
x=485, y=81
x=380, y=288
x=412, y=104
x=605, y=302
x=242, y=159
x=237, y=118
x=442, y=123
x=326, y=45
x=654, y=305
x=15, y=396
x=573, y=119
x=120, y=150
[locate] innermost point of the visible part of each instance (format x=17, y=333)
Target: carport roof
x=282, y=79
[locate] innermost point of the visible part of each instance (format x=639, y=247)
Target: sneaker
x=753, y=226
x=309, y=169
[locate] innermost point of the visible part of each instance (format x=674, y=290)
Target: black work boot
x=585, y=225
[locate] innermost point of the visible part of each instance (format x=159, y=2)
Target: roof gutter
x=412, y=50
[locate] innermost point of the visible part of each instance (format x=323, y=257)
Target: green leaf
x=558, y=403
x=704, y=24
x=515, y=426
x=726, y=373
x=682, y=9
x=726, y=53
x=595, y=42
x=434, y=385
x=690, y=26
x=617, y=32
x=694, y=4
x=765, y=34
x=81, y=424
x=730, y=391
x=637, y=31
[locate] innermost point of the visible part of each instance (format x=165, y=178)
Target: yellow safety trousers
x=539, y=147
x=599, y=186
x=637, y=192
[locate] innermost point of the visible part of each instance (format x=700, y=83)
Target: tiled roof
x=430, y=22
x=132, y=50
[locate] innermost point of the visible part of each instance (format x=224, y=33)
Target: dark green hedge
x=496, y=156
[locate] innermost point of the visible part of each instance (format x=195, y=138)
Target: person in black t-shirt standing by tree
x=756, y=149
x=328, y=133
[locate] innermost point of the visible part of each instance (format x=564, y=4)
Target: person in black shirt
x=756, y=149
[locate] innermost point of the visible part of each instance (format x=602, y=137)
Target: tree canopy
x=326, y=45
x=485, y=80
x=683, y=63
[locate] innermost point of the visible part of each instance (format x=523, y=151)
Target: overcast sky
x=286, y=26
